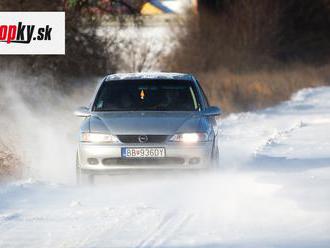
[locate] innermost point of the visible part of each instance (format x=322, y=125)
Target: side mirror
x=82, y=112
x=212, y=111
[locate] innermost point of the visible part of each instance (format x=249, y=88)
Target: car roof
x=149, y=75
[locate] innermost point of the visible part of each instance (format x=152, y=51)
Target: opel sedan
x=154, y=121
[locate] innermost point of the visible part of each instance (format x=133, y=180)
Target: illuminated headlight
x=190, y=137
x=98, y=138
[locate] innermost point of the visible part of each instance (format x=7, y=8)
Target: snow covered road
x=273, y=191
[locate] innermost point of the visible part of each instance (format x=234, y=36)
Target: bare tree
x=139, y=55
x=10, y=164
x=84, y=47
x=243, y=35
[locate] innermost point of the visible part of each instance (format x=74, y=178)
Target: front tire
x=82, y=176
x=215, y=158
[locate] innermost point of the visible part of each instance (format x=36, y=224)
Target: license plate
x=143, y=152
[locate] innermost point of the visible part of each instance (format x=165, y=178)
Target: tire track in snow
x=277, y=137
x=170, y=224
x=92, y=238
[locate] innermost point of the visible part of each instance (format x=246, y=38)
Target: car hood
x=165, y=123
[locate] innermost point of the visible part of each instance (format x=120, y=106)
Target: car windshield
x=147, y=95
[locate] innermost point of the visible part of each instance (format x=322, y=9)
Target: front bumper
x=178, y=157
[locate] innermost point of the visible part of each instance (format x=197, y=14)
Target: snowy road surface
x=273, y=191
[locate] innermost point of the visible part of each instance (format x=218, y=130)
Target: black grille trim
x=142, y=161
x=134, y=139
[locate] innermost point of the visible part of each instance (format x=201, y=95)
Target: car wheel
x=83, y=177
x=215, y=158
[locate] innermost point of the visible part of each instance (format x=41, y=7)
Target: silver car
x=154, y=121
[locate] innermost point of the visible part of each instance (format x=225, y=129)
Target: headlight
x=98, y=138
x=190, y=137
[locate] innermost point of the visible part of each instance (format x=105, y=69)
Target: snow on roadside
x=273, y=192
x=296, y=129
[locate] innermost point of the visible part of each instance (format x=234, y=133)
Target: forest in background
x=248, y=54
x=251, y=54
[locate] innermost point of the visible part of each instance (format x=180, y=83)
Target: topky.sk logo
x=21, y=33
x=32, y=33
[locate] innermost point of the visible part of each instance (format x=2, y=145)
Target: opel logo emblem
x=143, y=139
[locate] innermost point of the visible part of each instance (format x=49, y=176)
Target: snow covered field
x=273, y=191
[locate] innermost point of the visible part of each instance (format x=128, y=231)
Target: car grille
x=142, y=161
x=132, y=139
